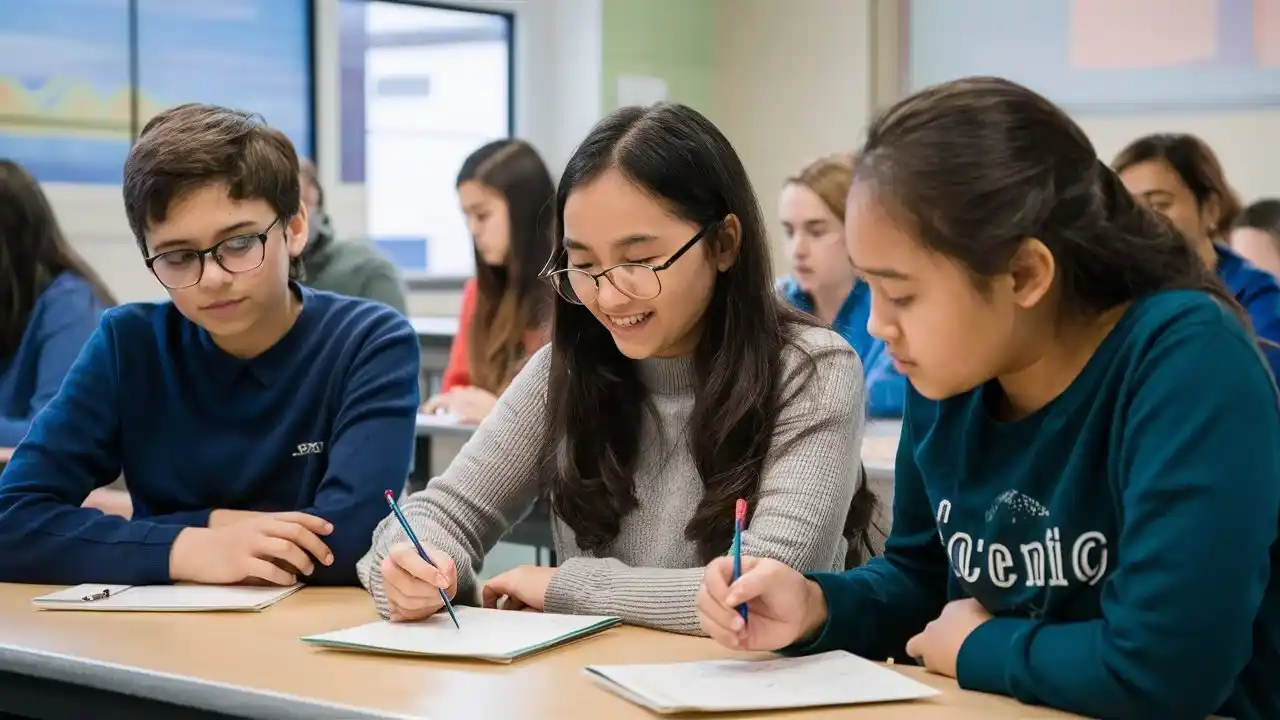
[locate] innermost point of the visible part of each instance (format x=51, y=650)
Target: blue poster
x=66, y=99
x=64, y=88
x=251, y=55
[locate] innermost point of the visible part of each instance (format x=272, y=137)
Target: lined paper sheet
x=833, y=678
x=485, y=634
x=166, y=598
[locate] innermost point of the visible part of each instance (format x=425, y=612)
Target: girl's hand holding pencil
x=783, y=606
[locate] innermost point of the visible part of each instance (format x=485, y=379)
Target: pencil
x=739, y=519
x=404, y=523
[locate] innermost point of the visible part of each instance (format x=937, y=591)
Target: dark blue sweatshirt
x=1124, y=535
x=322, y=422
x=63, y=318
x=1258, y=292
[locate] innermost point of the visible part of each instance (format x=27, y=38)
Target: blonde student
x=507, y=195
x=823, y=281
x=1086, y=493
x=676, y=383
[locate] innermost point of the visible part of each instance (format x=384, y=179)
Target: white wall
x=558, y=98
x=793, y=82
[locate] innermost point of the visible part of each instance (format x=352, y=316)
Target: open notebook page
x=496, y=635
x=832, y=678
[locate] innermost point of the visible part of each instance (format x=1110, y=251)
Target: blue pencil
x=739, y=519
x=404, y=523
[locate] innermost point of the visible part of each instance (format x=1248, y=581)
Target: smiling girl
x=1086, y=493
x=676, y=383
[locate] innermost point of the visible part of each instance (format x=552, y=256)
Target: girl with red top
x=506, y=193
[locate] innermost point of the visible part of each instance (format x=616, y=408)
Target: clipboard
x=165, y=598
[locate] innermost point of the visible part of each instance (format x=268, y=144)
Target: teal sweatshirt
x=1124, y=535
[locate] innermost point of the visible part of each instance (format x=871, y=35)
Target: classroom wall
x=558, y=88
x=785, y=81
x=1243, y=138
x=793, y=81
x=673, y=40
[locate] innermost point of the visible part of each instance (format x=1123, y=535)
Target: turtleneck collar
x=667, y=376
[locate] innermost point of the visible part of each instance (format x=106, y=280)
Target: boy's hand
x=273, y=548
x=111, y=502
x=222, y=518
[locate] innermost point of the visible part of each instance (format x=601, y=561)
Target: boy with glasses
x=256, y=422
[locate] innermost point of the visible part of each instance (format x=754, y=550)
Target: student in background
x=354, y=269
x=1179, y=177
x=1085, y=494
x=1255, y=235
x=824, y=283
x=675, y=383
x=507, y=195
x=49, y=305
x=257, y=422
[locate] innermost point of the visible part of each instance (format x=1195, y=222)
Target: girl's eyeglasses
x=635, y=280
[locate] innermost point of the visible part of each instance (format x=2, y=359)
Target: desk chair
x=534, y=530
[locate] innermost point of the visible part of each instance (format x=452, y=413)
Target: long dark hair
x=980, y=164
x=1194, y=162
x=32, y=253
x=676, y=155
x=510, y=300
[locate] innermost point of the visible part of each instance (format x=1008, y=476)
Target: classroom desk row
x=59, y=664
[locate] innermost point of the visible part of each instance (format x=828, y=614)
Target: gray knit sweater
x=650, y=574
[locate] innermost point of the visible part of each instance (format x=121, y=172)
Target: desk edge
x=182, y=690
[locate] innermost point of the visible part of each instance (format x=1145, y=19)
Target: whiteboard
x=1104, y=55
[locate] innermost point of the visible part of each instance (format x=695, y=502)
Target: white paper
x=640, y=90
x=832, y=678
x=166, y=598
x=498, y=635
x=440, y=418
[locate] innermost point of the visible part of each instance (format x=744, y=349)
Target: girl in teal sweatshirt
x=1087, y=485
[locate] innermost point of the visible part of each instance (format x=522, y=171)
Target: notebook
x=165, y=598
x=832, y=678
x=495, y=635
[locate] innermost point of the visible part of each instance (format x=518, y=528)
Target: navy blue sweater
x=1124, y=535
x=61, y=322
x=321, y=422
x=1257, y=291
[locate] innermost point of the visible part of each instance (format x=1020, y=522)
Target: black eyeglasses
x=178, y=269
x=635, y=280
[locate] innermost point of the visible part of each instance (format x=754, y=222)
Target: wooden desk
x=437, y=426
x=252, y=665
x=435, y=338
